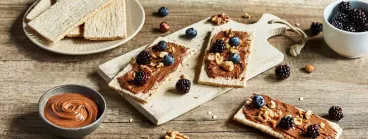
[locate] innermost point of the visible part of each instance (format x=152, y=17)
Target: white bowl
x=347, y=44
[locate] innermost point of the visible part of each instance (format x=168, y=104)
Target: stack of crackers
x=91, y=19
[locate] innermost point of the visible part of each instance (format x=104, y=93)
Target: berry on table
x=345, y=7
x=258, y=101
x=161, y=46
x=218, y=46
x=286, y=122
x=140, y=78
x=235, y=41
x=282, y=72
x=335, y=113
x=315, y=28
x=168, y=59
x=313, y=131
x=191, y=33
x=164, y=27
x=182, y=85
x=235, y=58
x=144, y=58
x=163, y=11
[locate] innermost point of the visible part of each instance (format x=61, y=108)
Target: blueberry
x=168, y=59
x=235, y=58
x=235, y=41
x=191, y=33
x=258, y=101
x=161, y=46
x=163, y=11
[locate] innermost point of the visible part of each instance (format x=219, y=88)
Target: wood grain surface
x=28, y=71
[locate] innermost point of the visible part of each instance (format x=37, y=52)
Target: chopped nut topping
x=218, y=58
x=322, y=125
x=175, y=135
x=171, y=49
x=153, y=64
x=228, y=46
x=234, y=50
x=153, y=55
x=211, y=57
x=308, y=114
x=146, y=69
x=273, y=123
x=248, y=102
x=220, y=19
x=133, y=61
x=162, y=54
x=272, y=104
x=228, y=65
x=298, y=121
x=278, y=114
x=229, y=33
x=160, y=65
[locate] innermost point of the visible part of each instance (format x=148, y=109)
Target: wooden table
x=27, y=71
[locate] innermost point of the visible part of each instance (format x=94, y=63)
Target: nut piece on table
x=164, y=27
x=175, y=135
x=309, y=68
x=220, y=19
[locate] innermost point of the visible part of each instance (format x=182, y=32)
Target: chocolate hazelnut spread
x=155, y=72
x=214, y=69
x=71, y=110
x=298, y=131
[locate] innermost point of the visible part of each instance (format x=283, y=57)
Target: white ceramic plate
x=79, y=46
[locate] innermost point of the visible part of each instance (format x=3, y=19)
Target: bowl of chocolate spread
x=71, y=111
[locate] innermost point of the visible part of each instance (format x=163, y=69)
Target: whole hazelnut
x=309, y=68
x=164, y=27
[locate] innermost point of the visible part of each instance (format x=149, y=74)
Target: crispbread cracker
x=76, y=32
x=240, y=117
x=39, y=8
x=109, y=24
x=223, y=81
x=145, y=97
x=64, y=16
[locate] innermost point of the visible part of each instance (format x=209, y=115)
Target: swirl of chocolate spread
x=71, y=110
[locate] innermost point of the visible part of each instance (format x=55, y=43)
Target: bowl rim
x=333, y=5
x=74, y=128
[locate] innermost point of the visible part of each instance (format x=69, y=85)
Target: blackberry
x=315, y=28
x=335, y=113
x=358, y=16
x=338, y=24
x=286, y=122
x=345, y=7
x=343, y=18
x=313, y=131
x=282, y=72
x=140, y=78
x=218, y=46
x=350, y=27
x=183, y=85
x=144, y=58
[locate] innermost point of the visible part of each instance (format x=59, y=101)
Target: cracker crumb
x=214, y=117
x=209, y=112
x=301, y=98
x=131, y=120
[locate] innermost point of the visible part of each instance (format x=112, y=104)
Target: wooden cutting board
x=166, y=104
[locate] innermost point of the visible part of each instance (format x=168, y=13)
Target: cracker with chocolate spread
x=283, y=120
x=142, y=77
x=226, y=58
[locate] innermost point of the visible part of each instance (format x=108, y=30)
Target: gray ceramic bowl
x=72, y=132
